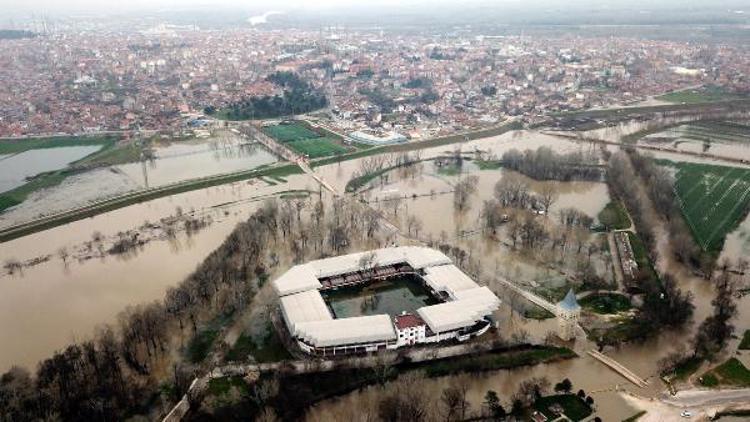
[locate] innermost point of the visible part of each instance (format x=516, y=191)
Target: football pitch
x=305, y=141
x=714, y=200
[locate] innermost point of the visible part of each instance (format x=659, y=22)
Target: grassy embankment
x=606, y=303
x=745, y=343
x=614, y=216
x=730, y=373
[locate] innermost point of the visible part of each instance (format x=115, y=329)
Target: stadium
x=382, y=299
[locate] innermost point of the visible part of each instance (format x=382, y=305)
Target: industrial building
x=462, y=312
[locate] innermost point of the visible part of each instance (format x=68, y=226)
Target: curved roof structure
x=309, y=319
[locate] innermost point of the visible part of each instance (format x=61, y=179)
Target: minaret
x=568, y=312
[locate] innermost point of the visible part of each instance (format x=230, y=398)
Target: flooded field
x=174, y=163
x=390, y=297
x=195, y=159
x=49, y=304
x=15, y=168
x=723, y=139
x=52, y=303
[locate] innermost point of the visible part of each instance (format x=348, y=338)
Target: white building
x=373, y=138
x=462, y=313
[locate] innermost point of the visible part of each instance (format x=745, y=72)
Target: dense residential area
x=515, y=211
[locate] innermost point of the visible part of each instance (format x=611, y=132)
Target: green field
x=704, y=94
x=109, y=151
x=290, y=132
x=15, y=146
x=606, y=303
x=713, y=199
x=745, y=343
x=317, y=147
x=574, y=407
x=731, y=372
x=314, y=143
x=614, y=216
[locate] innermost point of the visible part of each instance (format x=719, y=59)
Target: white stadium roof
x=448, y=278
x=305, y=276
x=308, y=317
x=460, y=313
x=304, y=307
x=340, y=332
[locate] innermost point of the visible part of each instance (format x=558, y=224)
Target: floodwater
x=391, y=297
x=174, y=163
x=58, y=304
x=699, y=139
x=196, y=159
x=50, y=304
x=15, y=168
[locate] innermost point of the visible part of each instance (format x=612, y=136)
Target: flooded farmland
x=15, y=168
x=57, y=303
x=176, y=162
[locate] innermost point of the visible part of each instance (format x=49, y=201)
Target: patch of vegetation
x=645, y=266
x=317, y=147
x=635, y=417
x=745, y=343
x=713, y=199
x=299, y=97
x=221, y=386
x=268, y=349
x=709, y=380
x=732, y=372
x=497, y=360
x=573, y=406
x=614, y=216
x=200, y=345
x=15, y=146
x=488, y=164
x=449, y=169
x=118, y=154
x=705, y=94
x=606, y=303
x=537, y=312
x=624, y=330
x=685, y=368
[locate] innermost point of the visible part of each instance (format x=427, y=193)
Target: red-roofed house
x=410, y=328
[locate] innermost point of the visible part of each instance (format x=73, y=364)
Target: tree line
x=134, y=366
x=298, y=97
x=664, y=304
x=546, y=164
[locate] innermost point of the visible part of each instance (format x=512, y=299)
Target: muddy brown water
x=49, y=305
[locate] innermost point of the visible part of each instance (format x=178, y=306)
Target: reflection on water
x=180, y=162
x=51, y=304
x=14, y=169
x=174, y=163
x=390, y=297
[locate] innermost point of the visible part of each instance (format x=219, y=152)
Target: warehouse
x=461, y=308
